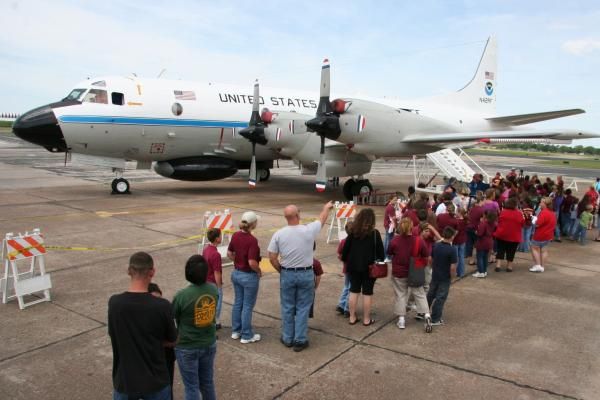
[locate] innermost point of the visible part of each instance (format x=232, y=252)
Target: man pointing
x=291, y=254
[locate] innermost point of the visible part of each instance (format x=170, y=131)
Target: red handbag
x=378, y=269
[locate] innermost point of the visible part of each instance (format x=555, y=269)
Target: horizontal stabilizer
x=454, y=137
x=523, y=119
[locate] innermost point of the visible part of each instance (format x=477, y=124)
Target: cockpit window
x=75, y=94
x=96, y=96
x=99, y=83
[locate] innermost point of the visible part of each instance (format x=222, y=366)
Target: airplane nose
x=39, y=126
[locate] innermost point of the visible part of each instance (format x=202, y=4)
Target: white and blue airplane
x=200, y=131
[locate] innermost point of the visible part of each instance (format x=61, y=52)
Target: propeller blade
x=321, y=182
x=324, y=104
x=253, y=177
x=255, y=117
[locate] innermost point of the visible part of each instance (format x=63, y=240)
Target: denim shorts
x=541, y=244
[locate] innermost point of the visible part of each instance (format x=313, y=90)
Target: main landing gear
x=356, y=187
x=119, y=185
x=264, y=174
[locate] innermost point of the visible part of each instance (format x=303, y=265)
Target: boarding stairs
x=451, y=163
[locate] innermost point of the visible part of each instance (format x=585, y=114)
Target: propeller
x=255, y=133
x=326, y=123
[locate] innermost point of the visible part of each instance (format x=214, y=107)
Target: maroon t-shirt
x=475, y=216
x=245, y=247
x=390, y=213
x=213, y=258
x=444, y=220
x=401, y=248
x=412, y=214
x=461, y=235
x=485, y=232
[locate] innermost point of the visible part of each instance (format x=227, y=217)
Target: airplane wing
x=523, y=119
x=454, y=137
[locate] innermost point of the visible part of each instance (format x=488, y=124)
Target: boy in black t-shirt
x=443, y=265
x=139, y=324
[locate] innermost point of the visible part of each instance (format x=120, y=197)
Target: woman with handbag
x=409, y=257
x=362, y=248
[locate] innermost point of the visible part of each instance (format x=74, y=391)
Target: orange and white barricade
x=222, y=220
x=343, y=213
x=15, y=283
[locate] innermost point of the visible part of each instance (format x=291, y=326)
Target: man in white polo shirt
x=291, y=254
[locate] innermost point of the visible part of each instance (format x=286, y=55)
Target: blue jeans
x=343, y=301
x=471, y=239
x=297, y=289
x=245, y=287
x=526, y=234
x=460, y=265
x=580, y=233
x=196, y=367
x=557, y=227
x=482, y=260
x=565, y=223
x=386, y=242
x=574, y=225
x=163, y=394
x=437, y=294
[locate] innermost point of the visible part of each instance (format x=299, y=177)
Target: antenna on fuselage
x=161, y=72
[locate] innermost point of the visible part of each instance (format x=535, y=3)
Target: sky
x=548, y=51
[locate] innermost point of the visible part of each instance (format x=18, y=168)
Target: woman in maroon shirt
x=508, y=233
x=544, y=232
x=485, y=242
x=401, y=249
x=475, y=214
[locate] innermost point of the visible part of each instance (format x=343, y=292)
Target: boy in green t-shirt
x=194, y=309
x=585, y=223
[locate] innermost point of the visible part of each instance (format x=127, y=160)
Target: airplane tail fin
x=480, y=93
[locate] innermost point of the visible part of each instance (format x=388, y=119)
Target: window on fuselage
x=96, y=96
x=117, y=98
x=75, y=94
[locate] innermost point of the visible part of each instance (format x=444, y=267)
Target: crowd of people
x=426, y=241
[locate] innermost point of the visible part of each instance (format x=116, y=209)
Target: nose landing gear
x=119, y=185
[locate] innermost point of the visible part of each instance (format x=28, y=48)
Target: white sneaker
x=438, y=323
x=536, y=268
x=401, y=323
x=253, y=339
x=236, y=335
x=477, y=275
x=387, y=260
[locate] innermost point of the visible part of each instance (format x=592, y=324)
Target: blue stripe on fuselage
x=98, y=119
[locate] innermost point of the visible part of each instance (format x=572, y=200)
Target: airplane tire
x=347, y=189
x=120, y=186
x=264, y=174
x=361, y=187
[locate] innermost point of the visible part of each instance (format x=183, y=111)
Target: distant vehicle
x=200, y=131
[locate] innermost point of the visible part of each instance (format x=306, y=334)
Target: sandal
x=509, y=270
x=596, y=240
x=353, y=322
x=371, y=322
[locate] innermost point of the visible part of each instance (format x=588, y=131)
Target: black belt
x=297, y=269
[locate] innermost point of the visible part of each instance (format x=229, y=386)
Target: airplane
x=199, y=131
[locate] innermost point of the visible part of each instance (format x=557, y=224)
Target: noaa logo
x=489, y=88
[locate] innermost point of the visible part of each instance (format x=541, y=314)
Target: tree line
x=9, y=115
x=552, y=148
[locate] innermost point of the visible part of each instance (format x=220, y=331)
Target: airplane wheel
x=120, y=186
x=347, y=189
x=264, y=174
x=361, y=187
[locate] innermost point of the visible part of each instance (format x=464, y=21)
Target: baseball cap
x=249, y=217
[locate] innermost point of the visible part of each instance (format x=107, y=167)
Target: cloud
x=580, y=47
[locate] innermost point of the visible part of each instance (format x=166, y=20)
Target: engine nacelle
x=206, y=168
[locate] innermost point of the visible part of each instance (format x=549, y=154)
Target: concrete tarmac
x=510, y=336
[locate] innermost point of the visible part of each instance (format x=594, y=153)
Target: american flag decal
x=489, y=75
x=184, y=95
x=362, y=121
